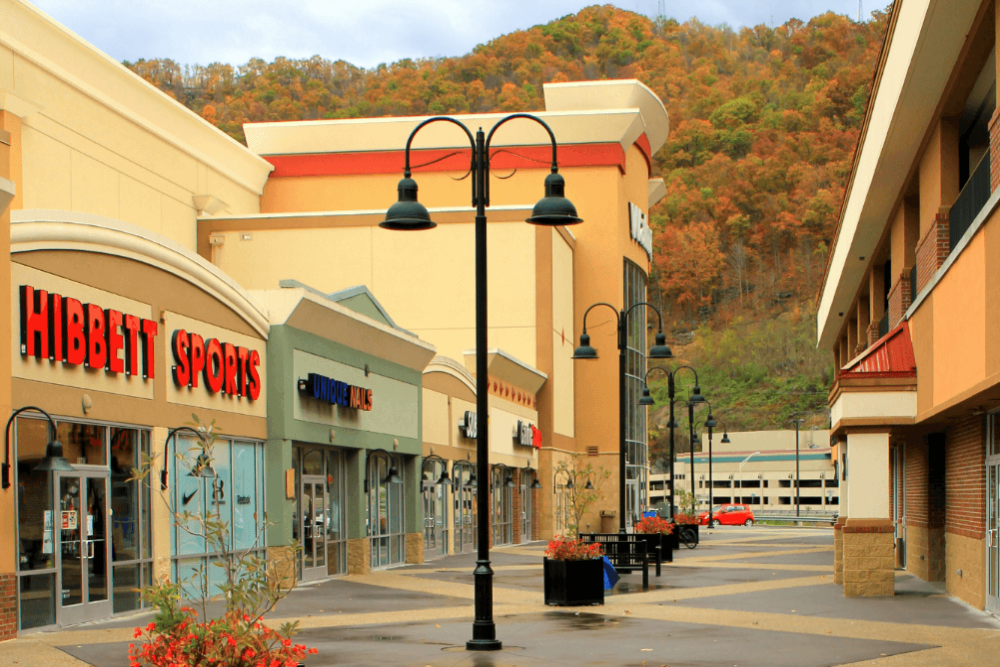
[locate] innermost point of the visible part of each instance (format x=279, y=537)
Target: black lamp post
x=710, y=424
x=647, y=400
x=53, y=461
x=409, y=214
x=658, y=351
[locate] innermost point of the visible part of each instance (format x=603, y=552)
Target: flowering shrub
x=250, y=587
x=685, y=519
x=562, y=549
x=654, y=524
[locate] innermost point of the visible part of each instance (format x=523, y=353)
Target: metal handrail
x=970, y=201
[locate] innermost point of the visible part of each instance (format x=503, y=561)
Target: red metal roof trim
x=890, y=357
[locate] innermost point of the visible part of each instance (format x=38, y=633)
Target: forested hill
x=764, y=124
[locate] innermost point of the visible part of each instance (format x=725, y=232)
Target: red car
x=729, y=514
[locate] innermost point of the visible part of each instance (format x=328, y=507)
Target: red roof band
x=890, y=357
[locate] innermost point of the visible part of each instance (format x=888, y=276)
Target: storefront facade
x=449, y=478
x=343, y=464
x=97, y=307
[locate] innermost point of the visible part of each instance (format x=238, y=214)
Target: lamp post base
x=483, y=645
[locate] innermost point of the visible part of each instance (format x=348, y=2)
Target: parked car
x=729, y=514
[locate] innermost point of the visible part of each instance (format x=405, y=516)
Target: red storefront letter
x=114, y=340
x=215, y=366
x=132, y=324
x=197, y=358
x=229, y=353
x=74, y=340
x=97, y=346
x=34, y=322
x=181, y=344
x=253, y=387
x=149, y=330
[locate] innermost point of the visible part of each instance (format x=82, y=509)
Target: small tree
x=250, y=588
x=687, y=506
x=579, y=498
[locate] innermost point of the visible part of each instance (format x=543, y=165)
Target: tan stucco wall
x=563, y=341
x=97, y=139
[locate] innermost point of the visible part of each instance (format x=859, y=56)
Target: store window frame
x=145, y=537
x=636, y=431
x=335, y=471
x=388, y=548
x=205, y=558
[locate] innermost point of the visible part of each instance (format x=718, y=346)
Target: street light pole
x=797, y=483
x=647, y=400
x=407, y=214
x=658, y=351
x=694, y=495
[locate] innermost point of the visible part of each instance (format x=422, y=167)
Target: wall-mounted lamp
x=53, y=461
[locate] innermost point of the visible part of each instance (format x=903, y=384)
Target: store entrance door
x=83, y=552
x=993, y=536
x=899, y=504
x=313, y=513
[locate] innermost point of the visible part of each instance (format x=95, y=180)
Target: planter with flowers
x=574, y=573
x=685, y=522
x=658, y=533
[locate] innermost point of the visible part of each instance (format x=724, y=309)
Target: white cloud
x=363, y=32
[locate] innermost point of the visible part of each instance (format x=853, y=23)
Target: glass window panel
x=38, y=600
x=95, y=535
x=244, y=498
x=34, y=498
x=189, y=496
x=312, y=463
x=84, y=444
x=127, y=586
x=145, y=510
x=125, y=501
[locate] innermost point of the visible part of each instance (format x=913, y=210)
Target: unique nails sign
x=64, y=329
x=333, y=391
x=226, y=368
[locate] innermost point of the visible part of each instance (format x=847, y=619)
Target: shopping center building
x=333, y=181
x=157, y=269
x=906, y=307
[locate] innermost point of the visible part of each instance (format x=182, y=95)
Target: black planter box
x=574, y=583
x=675, y=541
x=665, y=542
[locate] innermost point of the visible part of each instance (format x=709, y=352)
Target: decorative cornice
x=36, y=229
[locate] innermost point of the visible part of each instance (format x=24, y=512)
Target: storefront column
x=10, y=178
x=359, y=553
x=281, y=557
x=162, y=522
x=838, y=528
x=869, y=562
x=413, y=518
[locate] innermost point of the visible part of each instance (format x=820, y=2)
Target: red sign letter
x=34, y=322
x=253, y=387
x=149, y=329
x=132, y=344
x=215, y=366
x=180, y=344
x=97, y=346
x=73, y=339
x=114, y=340
x=197, y=358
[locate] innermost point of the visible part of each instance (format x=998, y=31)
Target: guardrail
x=802, y=518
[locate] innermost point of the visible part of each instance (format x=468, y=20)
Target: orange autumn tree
x=689, y=264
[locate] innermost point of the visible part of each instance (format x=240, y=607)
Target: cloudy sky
x=363, y=32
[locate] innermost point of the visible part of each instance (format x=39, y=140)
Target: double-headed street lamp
x=695, y=397
x=797, y=421
x=710, y=424
x=658, y=351
x=408, y=214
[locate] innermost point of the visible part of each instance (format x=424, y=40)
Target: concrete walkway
x=744, y=597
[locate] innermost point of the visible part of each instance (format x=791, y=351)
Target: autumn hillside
x=764, y=123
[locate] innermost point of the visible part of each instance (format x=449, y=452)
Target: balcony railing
x=913, y=284
x=970, y=201
x=883, y=325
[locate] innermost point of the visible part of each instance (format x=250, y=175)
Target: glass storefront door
x=993, y=536
x=312, y=509
x=318, y=521
x=503, y=507
x=525, y=489
x=83, y=551
x=435, y=504
x=464, y=512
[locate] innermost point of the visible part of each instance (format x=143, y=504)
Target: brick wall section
x=994, y=151
x=536, y=527
x=965, y=480
x=8, y=606
x=899, y=298
x=916, y=483
x=932, y=250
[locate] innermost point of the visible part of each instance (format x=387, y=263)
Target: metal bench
x=627, y=552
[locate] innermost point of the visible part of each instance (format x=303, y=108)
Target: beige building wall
x=563, y=342
x=98, y=139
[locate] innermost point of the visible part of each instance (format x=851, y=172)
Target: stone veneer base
x=414, y=548
x=838, y=551
x=869, y=560
x=359, y=556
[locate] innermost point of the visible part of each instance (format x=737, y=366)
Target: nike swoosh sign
x=187, y=498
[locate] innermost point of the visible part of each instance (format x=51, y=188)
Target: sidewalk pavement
x=744, y=597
